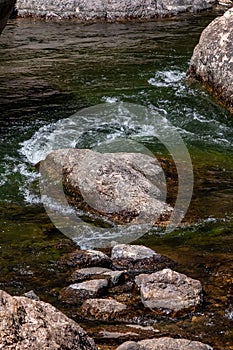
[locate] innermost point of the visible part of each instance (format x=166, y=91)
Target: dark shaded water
x=48, y=71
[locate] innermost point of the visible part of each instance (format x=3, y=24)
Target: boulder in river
x=111, y=10
x=169, y=292
x=30, y=324
x=212, y=60
x=123, y=188
x=164, y=343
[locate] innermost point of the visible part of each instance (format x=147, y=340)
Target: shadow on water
x=48, y=71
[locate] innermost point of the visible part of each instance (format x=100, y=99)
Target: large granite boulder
x=30, y=324
x=212, y=60
x=111, y=10
x=164, y=343
x=123, y=188
x=6, y=7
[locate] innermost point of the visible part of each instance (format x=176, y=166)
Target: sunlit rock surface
x=169, y=292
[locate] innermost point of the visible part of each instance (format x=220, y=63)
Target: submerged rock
x=169, y=292
x=138, y=259
x=122, y=187
x=30, y=324
x=111, y=10
x=164, y=343
x=212, y=60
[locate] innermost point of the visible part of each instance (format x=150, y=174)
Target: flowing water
x=48, y=72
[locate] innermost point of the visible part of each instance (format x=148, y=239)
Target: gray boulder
x=111, y=10
x=138, y=259
x=122, y=188
x=77, y=292
x=164, y=343
x=6, y=7
x=86, y=258
x=212, y=62
x=169, y=292
x=30, y=324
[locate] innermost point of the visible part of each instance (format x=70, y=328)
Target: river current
x=48, y=72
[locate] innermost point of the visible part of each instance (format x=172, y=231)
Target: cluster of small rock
x=130, y=285
x=100, y=283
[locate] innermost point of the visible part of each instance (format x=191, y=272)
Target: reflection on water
x=49, y=71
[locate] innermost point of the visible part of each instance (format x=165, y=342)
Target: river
x=51, y=70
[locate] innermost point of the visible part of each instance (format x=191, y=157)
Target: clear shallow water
x=48, y=72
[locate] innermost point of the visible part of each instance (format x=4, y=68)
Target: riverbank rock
x=212, y=60
x=123, y=188
x=30, y=324
x=138, y=259
x=169, y=292
x=164, y=343
x=111, y=10
x=6, y=7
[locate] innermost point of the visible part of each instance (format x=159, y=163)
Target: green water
x=48, y=71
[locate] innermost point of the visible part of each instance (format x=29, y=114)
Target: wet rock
x=30, y=324
x=169, y=292
x=102, y=309
x=111, y=10
x=138, y=259
x=97, y=183
x=31, y=295
x=77, y=292
x=87, y=258
x=6, y=8
x=212, y=63
x=164, y=343
x=113, y=277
